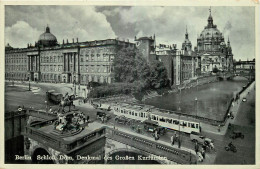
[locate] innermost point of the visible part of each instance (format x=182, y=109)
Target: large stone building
x=48, y=61
x=212, y=50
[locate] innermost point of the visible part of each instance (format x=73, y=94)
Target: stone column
x=36, y=63
x=68, y=60
x=74, y=62
x=28, y=62
x=31, y=63
x=64, y=63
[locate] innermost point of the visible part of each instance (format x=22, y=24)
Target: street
x=19, y=95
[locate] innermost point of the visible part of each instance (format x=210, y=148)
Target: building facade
x=76, y=62
x=212, y=50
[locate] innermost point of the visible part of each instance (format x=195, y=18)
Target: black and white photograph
x=129, y=84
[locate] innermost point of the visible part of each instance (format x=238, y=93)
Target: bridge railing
x=41, y=114
x=153, y=147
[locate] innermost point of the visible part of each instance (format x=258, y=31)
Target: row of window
x=15, y=60
x=16, y=67
x=174, y=121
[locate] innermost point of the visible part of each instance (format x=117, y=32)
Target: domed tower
x=47, y=39
x=210, y=38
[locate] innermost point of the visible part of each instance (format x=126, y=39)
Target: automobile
x=244, y=99
x=237, y=134
x=230, y=147
x=123, y=120
x=152, y=126
x=104, y=107
x=103, y=115
x=196, y=137
x=54, y=97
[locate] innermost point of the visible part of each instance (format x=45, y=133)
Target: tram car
x=167, y=120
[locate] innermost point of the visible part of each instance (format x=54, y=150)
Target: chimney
x=72, y=40
x=67, y=41
x=135, y=38
x=63, y=42
x=77, y=40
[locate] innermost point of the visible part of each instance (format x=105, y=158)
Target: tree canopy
x=130, y=66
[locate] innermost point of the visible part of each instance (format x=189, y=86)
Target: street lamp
x=196, y=100
x=46, y=102
x=29, y=84
x=179, y=141
x=13, y=79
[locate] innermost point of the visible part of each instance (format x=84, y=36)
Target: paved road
x=21, y=96
x=244, y=122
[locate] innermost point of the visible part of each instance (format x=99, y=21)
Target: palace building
x=48, y=61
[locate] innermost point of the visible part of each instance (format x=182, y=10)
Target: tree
x=129, y=66
x=158, y=77
x=215, y=70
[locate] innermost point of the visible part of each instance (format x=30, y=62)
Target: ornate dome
x=210, y=32
x=47, y=39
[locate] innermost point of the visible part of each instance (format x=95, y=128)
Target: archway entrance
x=126, y=157
x=44, y=155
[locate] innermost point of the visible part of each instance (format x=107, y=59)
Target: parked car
x=103, y=116
x=237, y=134
x=244, y=99
x=151, y=126
x=196, y=137
x=123, y=120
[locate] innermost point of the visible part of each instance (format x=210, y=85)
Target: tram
x=164, y=118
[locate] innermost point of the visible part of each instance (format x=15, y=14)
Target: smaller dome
x=47, y=38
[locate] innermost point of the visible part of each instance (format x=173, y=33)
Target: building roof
x=47, y=38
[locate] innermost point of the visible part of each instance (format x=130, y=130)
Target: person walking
x=203, y=153
x=172, y=140
x=196, y=147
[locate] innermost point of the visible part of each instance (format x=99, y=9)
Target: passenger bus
x=163, y=117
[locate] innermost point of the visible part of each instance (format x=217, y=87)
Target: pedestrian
x=203, y=153
x=204, y=146
x=172, y=140
x=87, y=118
x=156, y=135
x=196, y=147
x=219, y=128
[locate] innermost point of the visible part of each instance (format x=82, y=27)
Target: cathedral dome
x=47, y=38
x=211, y=32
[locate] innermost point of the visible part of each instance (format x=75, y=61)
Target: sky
x=24, y=24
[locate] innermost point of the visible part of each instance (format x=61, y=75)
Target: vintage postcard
x=127, y=84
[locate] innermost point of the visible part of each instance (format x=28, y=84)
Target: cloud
x=168, y=23
x=65, y=22
x=20, y=33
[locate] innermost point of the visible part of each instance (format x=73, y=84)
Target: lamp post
x=46, y=102
x=179, y=141
x=196, y=102
x=13, y=79
x=29, y=83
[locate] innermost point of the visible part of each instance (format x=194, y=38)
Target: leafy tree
x=215, y=70
x=158, y=77
x=129, y=66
